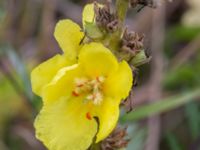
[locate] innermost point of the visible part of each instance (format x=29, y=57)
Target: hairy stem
x=122, y=7
x=121, y=10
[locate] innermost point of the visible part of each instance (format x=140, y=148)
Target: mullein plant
x=82, y=89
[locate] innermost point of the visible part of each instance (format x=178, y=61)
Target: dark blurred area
x=172, y=34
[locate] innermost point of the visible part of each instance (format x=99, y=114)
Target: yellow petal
x=108, y=114
x=68, y=34
x=44, y=73
x=119, y=83
x=97, y=60
x=62, y=84
x=88, y=14
x=63, y=125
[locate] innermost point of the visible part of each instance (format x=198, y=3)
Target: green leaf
x=184, y=33
x=172, y=142
x=161, y=106
x=192, y=113
x=184, y=77
x=140, y=59
x=179, y=34
x=92, y=31
x=137, y=136
x=20, y=68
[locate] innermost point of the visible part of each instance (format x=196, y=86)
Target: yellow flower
x=68, y=35
x=77, y=94
x=85, y=83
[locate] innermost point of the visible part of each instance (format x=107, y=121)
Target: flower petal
x=88, y=14
x=97, y=60
x=68, y=34
x=44, y=73
x=120, y=81
x=63, y=125
x=108, y=114
x=62, y=84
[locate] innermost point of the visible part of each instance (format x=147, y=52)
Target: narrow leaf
x=161, y=106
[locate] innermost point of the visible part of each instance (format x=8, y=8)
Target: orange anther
x=80, y=85
x=97, y=78
x=88, y=116
x=75, y=94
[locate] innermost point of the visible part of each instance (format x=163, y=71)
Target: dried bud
x=105, y=18
x=149, y=3
x=116, y=140
x=132, y=42
x=134, y=3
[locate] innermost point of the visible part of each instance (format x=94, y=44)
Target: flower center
x=92, y=88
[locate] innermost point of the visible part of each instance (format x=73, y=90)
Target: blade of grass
x=137, y=138
x=161, y=106
x=20, y=68
x=23, y=86
x=192, y=114
x=173, y=142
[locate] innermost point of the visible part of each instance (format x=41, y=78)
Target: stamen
x=88, y=116
x=80, y=81
x=80, y=85
x=91, y=88
x=100, y=79
x=74, y=93
x=90, y=97
x=97, y=98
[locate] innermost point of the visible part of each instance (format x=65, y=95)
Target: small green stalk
x=122, y=7
x=95, y=147
x=121, y=10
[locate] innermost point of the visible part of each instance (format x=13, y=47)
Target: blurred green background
x=165, y=103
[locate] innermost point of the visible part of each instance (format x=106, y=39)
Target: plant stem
x=114, y=38
x=121, y=10
x=96, y=147
x=122, y=7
